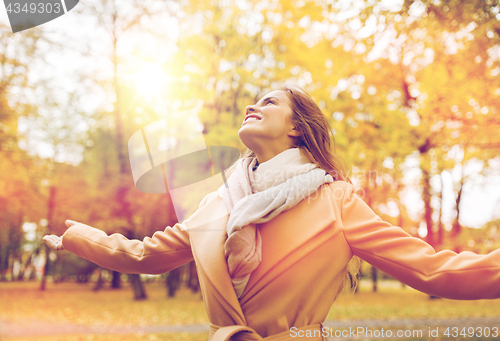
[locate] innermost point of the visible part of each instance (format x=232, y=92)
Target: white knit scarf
x=254, y=197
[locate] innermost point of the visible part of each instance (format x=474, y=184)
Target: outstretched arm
x=164, y=251
x=412, y=261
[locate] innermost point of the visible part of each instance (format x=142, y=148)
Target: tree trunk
x=426, y=193
x=98, y=283
x=440, y=229
x=4, y=262
x=45, y=268
x=374, y=278
x=173, y=281
x=193, y=282
x=121, y=192
x=116, y=282
x=137, y=287
x=400, y=224
x=457, y=228
x=50, y=214
x=369, y=202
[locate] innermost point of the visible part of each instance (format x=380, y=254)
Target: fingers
x=54, y=242
x=51, y=241
x=70, y=223
x=48, y=239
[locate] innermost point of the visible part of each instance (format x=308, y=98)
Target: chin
x=242, y=133
x=245, y=138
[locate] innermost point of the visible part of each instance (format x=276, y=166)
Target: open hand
x=54, y=242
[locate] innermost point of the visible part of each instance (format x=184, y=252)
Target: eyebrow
x=268, y=98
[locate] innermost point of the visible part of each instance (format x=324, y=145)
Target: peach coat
x=305, y=251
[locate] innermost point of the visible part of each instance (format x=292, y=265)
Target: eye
x=270, y=101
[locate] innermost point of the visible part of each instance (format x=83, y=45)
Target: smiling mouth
x=252, y=118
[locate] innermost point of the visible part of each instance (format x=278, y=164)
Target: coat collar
x=207, y=233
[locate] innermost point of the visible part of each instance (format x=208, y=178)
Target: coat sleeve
x=164, y=251
x=414, y=262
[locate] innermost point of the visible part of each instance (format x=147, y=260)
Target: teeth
x=253, y=118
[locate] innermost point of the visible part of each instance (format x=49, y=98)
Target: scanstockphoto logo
x=171, y=156
x=26, y=14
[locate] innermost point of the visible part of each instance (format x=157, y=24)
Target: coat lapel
x=207, y=232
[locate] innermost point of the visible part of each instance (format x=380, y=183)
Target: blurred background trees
x=410, y=88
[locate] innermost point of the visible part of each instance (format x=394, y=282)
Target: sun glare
x=150, y=80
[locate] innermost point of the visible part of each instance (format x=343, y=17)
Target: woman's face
x=268, y=123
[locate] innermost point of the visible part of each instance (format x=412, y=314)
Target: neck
x=267, y=154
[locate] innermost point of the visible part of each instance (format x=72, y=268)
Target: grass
x=392, y=301
x=79, y=304
x=23, y=303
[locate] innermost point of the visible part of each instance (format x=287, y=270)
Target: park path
x=346, y=330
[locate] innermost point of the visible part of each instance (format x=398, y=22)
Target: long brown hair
x=317, y=142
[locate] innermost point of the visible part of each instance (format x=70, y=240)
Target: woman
x=291, y=222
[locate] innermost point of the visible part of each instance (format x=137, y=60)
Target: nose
x=250, y=109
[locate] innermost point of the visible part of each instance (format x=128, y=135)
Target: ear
x=294, y=132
